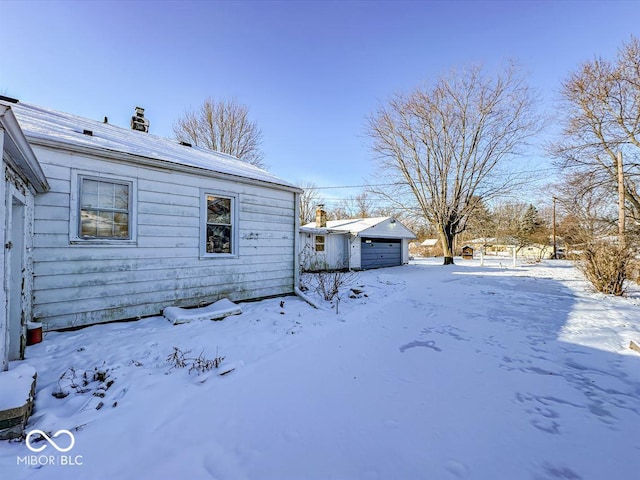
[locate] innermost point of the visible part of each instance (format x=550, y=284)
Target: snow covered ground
x=430, y=373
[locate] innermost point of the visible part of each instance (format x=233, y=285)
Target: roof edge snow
x=53, y=129
x=360, y=227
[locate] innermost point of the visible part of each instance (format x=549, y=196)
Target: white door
x=15, y=251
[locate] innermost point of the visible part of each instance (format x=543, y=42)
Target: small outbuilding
x=467, y=252
x=355, y=244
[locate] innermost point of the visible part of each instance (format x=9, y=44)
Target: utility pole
x=555, y=250
x=621, y=225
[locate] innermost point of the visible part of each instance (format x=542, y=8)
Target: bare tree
x=309, y=200
x=223, y=126
x=444, y=146
x=341, y=210
x=363, y=205
x=358, y=206
x=601, y=109
x=506, y=220
x=590, y=224
x=587, y=207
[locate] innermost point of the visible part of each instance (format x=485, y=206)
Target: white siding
x=17, y=282
x=405, y=250
x=306, y=253
x=355, y=249
x=334, y=256
x=336, y=251
x=4, y=332
x=387, y=229
x=79, y=284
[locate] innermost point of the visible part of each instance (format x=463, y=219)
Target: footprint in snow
x=553, y=471
x=430, y=344
x=457, y=469
x=387, y=279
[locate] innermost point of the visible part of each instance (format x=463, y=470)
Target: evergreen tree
x=530, y=223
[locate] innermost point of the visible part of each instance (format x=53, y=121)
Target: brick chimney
x=321, y=216
x=138, y=122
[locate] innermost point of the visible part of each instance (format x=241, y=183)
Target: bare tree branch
x=309, y=200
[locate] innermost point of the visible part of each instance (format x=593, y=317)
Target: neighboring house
x=426, y=248
x=429, y=242
x=131, y=223
x=22, y=178
x=535, y=252
x=356, y=244
x=532, y=252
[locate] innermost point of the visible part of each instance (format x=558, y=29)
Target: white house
x=127, y=223
x=531, y=252
x=356, y=244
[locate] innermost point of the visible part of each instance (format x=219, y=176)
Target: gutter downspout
x=307, y=299
x=4, y=312
x=296, y=240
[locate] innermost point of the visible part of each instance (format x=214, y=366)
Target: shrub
x=606, y=265
x=199, y=364
x=329, y=282
x=97, y=381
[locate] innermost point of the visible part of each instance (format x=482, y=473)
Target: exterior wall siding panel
x=81, y=284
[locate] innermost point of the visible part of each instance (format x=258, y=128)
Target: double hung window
x=102, y=209
x=220, y=224
x=105, y=209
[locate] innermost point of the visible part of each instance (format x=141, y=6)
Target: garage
x=354, y=243
x=380, y=252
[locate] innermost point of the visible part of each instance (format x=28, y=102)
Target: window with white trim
x=105, y=209
x=102, y=209
x=220, y=224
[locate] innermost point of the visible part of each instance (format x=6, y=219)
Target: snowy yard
x=432, y=373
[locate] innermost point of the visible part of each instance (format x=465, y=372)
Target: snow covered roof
x=429, y=242
x=388, y=227
x=352, y=225
x=42, y=125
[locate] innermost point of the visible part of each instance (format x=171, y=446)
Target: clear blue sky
x=310, y=72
